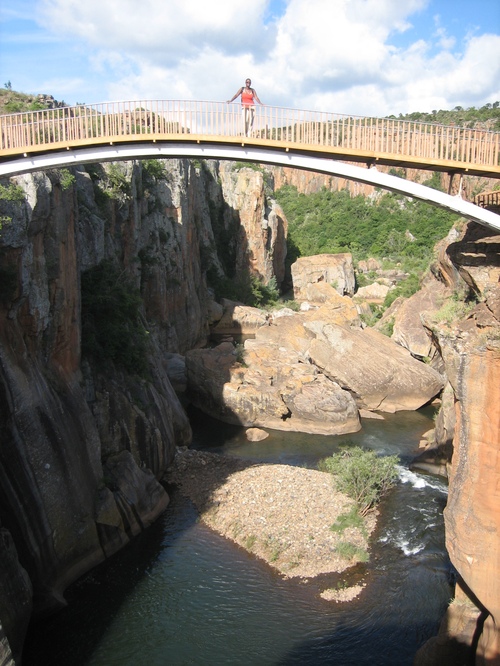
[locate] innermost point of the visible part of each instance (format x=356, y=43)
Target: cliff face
x=470, y=349
x=84, y=443
x=262, y=223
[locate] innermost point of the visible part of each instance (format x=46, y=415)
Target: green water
x=182, y=595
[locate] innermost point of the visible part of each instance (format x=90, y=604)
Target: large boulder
x=336, y=270
x=238, y=319
x=375, y=292
x=379, y=373
x=274, y=388
x=308, y=372
x=409, y=331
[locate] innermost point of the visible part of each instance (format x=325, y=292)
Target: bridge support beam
x=259, y=155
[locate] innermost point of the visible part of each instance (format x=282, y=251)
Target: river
x=180, y=595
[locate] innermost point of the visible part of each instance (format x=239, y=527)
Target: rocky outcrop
x=83, y=446
x=379, y=373
x=86, y=440
x=470, y=349
x=335, y=270
x=309, y=372
x=374, y=293
x=262, y=224
x=408, y=328
x=472, y=515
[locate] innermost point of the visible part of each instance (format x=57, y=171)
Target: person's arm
x=235, y=96
x=255, y=96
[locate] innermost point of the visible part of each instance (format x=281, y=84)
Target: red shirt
x=247, y=97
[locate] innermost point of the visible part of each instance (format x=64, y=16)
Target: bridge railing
x=137, y=120
x=489, y=200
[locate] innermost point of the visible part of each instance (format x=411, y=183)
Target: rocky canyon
x=91, y=421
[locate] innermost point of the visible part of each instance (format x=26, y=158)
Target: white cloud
x=169, y=29
x=323, y=54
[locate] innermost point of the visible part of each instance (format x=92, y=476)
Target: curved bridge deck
x=398, y=143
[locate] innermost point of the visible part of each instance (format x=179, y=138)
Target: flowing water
x=181, y=595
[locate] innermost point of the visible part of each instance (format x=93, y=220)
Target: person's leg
x=246, y=120
x=252, y=118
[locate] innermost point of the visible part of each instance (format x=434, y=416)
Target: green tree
x=362, y=475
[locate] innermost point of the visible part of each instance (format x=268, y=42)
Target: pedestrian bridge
x=348, y=146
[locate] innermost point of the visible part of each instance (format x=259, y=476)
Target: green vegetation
x=406, y=288
x=246, y=289
x=112, y=329
x=16, y=102
x=11, y=193
x=455, y=308
x=488, y=114
x=362, y=475
x=398, y=231
x=349, y=551
x=117, y=185
x=391, y=226
x=248, y=165
x=250, y=541
x=67, y=179
x=387, y=328
x=154, y=169
x=349, y=519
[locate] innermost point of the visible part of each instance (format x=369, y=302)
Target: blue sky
x=362, y=57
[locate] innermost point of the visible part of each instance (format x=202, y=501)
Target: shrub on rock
x=362, y=475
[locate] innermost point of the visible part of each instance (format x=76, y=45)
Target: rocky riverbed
x=279, y=513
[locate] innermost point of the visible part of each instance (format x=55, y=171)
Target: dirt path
x=281, y=514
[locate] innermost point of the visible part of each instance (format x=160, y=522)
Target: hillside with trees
x=486, y=117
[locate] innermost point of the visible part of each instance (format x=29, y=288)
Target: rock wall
x=262, y=224
x=84, y=444
x=469, y=345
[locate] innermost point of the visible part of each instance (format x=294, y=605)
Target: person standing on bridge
x=248, y=98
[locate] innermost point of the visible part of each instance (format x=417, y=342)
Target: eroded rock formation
x=335, y=270
x=470, y=348
x=85, y=442
x=309, y=372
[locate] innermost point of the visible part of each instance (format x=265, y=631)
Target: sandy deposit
x=279, y=513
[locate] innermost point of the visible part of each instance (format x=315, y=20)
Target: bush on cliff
x=362, y=475
x=112, y=329
x=246, y=289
